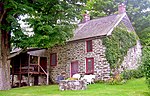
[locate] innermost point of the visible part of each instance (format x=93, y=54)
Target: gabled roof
x=99, y=27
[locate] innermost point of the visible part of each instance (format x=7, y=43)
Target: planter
x=72, y=85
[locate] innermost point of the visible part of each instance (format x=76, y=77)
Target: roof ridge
x=116, y=22
x=97, y=27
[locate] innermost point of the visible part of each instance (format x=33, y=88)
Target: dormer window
x=89, y=46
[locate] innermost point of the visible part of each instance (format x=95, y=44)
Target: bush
x=129, y=74
x=146, y=63
x=117, y=80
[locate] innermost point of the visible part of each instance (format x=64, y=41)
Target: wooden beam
x=38, y=63
x=48, y=68
x=28, y=71
x=20, y=73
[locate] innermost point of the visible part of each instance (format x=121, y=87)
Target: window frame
x=92, y=72
x=51, y=59
x=91, y=45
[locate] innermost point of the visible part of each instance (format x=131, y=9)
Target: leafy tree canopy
x=52, y=21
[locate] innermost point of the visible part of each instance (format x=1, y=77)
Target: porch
x=28, y=67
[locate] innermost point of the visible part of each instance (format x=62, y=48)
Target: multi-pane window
x=90, y=65
x=89, y=46
x=53, y=59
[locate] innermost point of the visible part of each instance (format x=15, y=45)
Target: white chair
x=78, y=76
x=89, y=78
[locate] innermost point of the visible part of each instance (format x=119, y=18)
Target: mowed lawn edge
x=134, y=87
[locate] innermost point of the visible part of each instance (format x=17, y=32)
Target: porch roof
x=31, y=51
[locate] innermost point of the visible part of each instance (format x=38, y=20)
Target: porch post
x=47, y=77
x=28, y=70
x=38, y=63
x=20, y=73
x=48, y=67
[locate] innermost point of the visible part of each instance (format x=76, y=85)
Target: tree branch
x=1, y=18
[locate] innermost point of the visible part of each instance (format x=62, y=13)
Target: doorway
x=36, y=80
x=74, y=67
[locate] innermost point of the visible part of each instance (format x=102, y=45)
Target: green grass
x=136, y=87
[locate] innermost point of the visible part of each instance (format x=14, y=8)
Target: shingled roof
x=97, y=27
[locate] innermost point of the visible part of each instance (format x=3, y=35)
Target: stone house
x=84, y=53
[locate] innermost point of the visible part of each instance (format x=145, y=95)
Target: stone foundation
x=72, y=85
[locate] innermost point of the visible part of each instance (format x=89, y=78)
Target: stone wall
x=76, y=50
x=72, y=85
x=133, y=58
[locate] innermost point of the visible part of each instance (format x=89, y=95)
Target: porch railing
x=33, y=68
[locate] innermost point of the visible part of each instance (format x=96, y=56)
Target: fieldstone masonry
x=72, y=85
x=133, y=58
x=76, y=51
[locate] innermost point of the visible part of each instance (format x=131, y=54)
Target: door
x=74, y=67
x=43, y=63
x=36, y=80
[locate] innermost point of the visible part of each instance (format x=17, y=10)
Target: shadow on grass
x=146, y=93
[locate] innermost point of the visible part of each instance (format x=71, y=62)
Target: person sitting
x=61, y=77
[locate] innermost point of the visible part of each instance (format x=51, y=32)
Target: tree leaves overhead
x=137, y=10
x=52, y=21
x=145, y=37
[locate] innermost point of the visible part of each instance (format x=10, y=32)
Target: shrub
x=129, y=74
x=146, y=63
x=116, y=81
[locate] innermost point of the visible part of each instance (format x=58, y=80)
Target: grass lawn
x=136, y=87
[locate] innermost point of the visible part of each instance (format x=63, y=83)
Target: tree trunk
x=4, y=52
x=4, y=63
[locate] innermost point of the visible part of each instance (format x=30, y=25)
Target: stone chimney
x=86, y=17
x=121, y=8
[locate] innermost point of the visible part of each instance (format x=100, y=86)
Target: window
x=89, y=45
x=53, y=59
x=89, y=65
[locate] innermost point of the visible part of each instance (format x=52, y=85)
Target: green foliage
x=136, y=10
x=72, y=78
x=97, y=8
x=145, y=37
x=116, y=80
x=129, y=74
x=117, y=45
x=52, y=21
x=146, y=63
